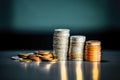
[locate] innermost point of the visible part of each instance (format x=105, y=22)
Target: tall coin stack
x=60, y=43
x=93, y=50
x=76, y=49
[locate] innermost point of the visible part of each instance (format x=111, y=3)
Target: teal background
x=43, y=16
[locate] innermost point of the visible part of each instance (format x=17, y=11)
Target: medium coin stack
x=93, y=50
x=60, y=43
x=76, y=48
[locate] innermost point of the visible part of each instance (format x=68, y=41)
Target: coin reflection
x=63, y=70
x=47, y=67
x=79, y=70
x=95, y=70
x=24, y=65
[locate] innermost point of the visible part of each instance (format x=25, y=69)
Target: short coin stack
x=76, y=49
x=60, y=43
x=93, y=50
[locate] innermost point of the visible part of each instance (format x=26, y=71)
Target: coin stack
x=60, y=43
x=93, y=50
x=76, y=48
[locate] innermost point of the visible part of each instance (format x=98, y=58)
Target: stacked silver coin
x=76, y=49
x=60, y=43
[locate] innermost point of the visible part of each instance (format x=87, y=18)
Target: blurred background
x=29, y=24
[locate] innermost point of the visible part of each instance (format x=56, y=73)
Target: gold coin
x=41, y=52
x=46, y=58
x=93, y=42
x=53, y=60
x=93, y=58
x=92, y=47
x=92, y=54
x=35, y=58
x=93, y=51
x=25, y=60
x=23, y=55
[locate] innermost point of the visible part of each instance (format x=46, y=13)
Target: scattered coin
x=16, y=58
x=25, y=60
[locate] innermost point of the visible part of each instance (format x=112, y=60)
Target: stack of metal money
x=60, y=43
x=93, y=50
x=76, y=49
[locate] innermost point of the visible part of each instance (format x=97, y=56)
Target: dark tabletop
x=107, y=69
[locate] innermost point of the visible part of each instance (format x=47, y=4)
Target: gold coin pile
x=37, y=56
x=93, y=50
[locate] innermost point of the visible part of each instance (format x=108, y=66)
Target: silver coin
x=16, y=58
x=78, y=38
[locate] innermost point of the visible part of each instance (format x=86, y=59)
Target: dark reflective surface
x=108, y=69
